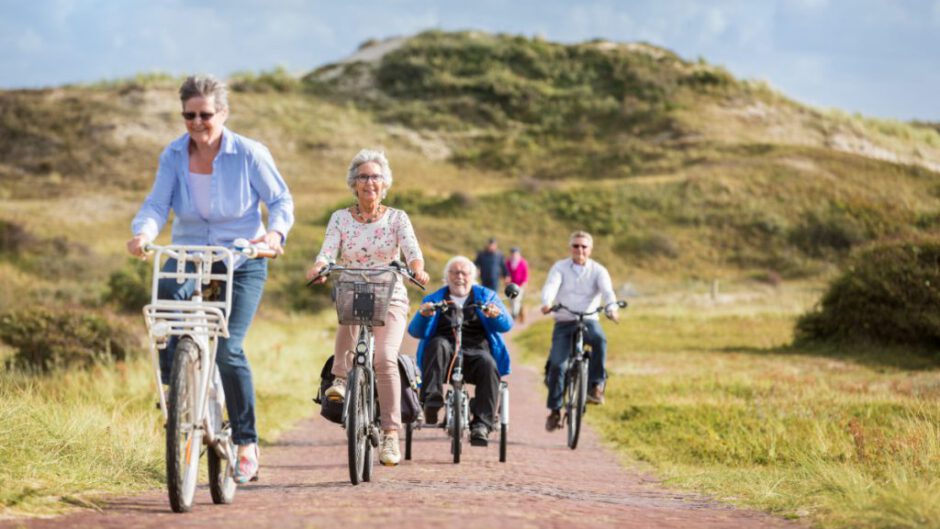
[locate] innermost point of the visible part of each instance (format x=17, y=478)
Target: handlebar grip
x=258, y=253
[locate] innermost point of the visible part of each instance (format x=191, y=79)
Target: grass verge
x=718, y=403
x=73, y=438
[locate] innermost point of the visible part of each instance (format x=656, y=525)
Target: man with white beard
x=486, y=358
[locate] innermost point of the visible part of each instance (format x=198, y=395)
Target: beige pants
x=387, y=343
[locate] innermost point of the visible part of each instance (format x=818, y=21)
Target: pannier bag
x=330, y=410
x=410, y=405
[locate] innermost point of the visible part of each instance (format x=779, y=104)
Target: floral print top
x=370, y=244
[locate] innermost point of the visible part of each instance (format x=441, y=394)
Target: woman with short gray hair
x=368, y=235
x=215, y=181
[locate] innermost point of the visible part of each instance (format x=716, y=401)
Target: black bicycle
x=362, y=296
x=457, y=399
x=574, y=396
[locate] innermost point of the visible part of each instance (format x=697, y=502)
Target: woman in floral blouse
x=368, y=235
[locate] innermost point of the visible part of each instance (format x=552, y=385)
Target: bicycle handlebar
x=558, y=306
x=239, y=246
x=395, y=266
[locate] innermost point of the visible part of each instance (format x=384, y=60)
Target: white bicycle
x=194, y=407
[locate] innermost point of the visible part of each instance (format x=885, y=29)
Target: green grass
x=716, y=402
x=73, y=438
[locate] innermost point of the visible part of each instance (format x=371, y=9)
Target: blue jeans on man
x=247, y=287
x=562, y=341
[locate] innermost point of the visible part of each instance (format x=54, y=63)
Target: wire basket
x=362, y=297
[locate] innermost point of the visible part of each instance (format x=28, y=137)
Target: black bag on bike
x=330, y=410
x=410, y=404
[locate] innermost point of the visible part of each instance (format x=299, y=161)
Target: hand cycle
x=195, y=404
x=362, y=297
x=457, y=399
x=574, y=396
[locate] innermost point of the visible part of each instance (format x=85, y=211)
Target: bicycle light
x=160, y=329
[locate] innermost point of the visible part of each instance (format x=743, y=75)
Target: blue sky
x=877, y=57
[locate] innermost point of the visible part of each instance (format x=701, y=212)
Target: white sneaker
x=389, y=454
x=336, y=392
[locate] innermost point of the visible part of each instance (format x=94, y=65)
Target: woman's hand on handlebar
x=136, y=246
x=313, y=274
x=272, y=240
x=417, y=271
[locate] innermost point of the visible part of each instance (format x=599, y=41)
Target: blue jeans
x=247, y=287
x=562, y=346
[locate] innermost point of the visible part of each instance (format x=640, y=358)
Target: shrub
x=129, y=288
x=14, y=238
x=888, y=295
x=822, y=234
x=47, y=339
x=651, y=245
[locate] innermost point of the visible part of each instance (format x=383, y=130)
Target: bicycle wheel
x=183, y=437
x=503, y=422
x=221, y=470
x=409, y=431
x=372, y=440
x=456, y=427
x=357, y=425
x=577, y=391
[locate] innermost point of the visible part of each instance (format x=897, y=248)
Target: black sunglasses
x=205, y=116
x=580, y=246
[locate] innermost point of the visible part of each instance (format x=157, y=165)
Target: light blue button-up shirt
x=243, y=176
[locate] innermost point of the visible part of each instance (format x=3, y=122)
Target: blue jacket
x=424, y=327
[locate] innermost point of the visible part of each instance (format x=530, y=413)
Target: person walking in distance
x=517, y=274
x=491, y=264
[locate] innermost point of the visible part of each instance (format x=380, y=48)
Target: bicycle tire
x=575, y=408
x=503, y=421
x=356, y=437
x=456, y=428
x=222, y=484
x=183, y=440
x=368, y=459
x=409, y=431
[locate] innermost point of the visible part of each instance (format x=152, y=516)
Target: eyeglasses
x=363, y=178
x=580, y=246
x=205, y=116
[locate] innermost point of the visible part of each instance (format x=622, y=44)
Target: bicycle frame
x=364, y=356
x=203, y=321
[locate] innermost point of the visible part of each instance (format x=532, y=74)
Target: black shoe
x=430, y=414
x=479, y=434
x=553, y=422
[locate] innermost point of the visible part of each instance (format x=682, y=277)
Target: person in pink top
x=518, y=275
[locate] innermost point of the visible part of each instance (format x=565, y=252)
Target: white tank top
x=201, y=187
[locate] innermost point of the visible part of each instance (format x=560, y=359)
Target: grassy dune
x=715, y=401
x=684, y=174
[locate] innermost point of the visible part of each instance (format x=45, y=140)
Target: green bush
x=129, y=288
x=888, y=295
x=46, y=339
x=14, y=238
x=821, y=234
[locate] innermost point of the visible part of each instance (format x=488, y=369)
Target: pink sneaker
x=247, y=468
